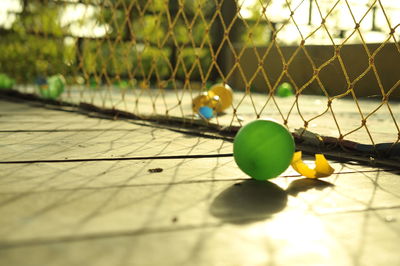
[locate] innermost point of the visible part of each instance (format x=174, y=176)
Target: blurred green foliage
x=34, y=46
x=139, y=42
x=117, y=60
x=148, y=46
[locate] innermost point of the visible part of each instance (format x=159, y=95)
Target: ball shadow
x=248, y=201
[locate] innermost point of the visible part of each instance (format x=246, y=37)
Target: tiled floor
x=61, y=203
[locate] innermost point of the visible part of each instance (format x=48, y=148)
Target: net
x=328, y=70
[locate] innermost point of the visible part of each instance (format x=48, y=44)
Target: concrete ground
x=78, y=190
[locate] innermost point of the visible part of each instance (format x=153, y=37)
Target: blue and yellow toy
x=217, y=99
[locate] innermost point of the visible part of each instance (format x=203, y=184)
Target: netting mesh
x=153, y=57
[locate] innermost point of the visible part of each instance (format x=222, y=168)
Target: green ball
x=284, y=90
x=123, y=84
x=54, y=87
x=263, y=149
x=93, y=83
x=6, y=82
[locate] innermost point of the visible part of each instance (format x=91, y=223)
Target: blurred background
x=106, y=41
x=154, y=57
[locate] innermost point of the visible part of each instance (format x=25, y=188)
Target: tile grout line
x=121, y=158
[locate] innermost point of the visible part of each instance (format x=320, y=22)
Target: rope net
x=338, y=60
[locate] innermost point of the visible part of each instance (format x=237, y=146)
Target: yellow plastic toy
x=219, y=98
x=199, y=101
x=225, y=94
x=322, y=167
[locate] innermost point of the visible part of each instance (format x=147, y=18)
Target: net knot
x=363, y=122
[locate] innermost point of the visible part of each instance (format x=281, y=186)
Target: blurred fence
x=152, y=57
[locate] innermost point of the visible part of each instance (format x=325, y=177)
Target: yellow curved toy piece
x=322, y=167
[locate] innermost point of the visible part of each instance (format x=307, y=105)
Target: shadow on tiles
x=249, y=201
x=304, y=184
